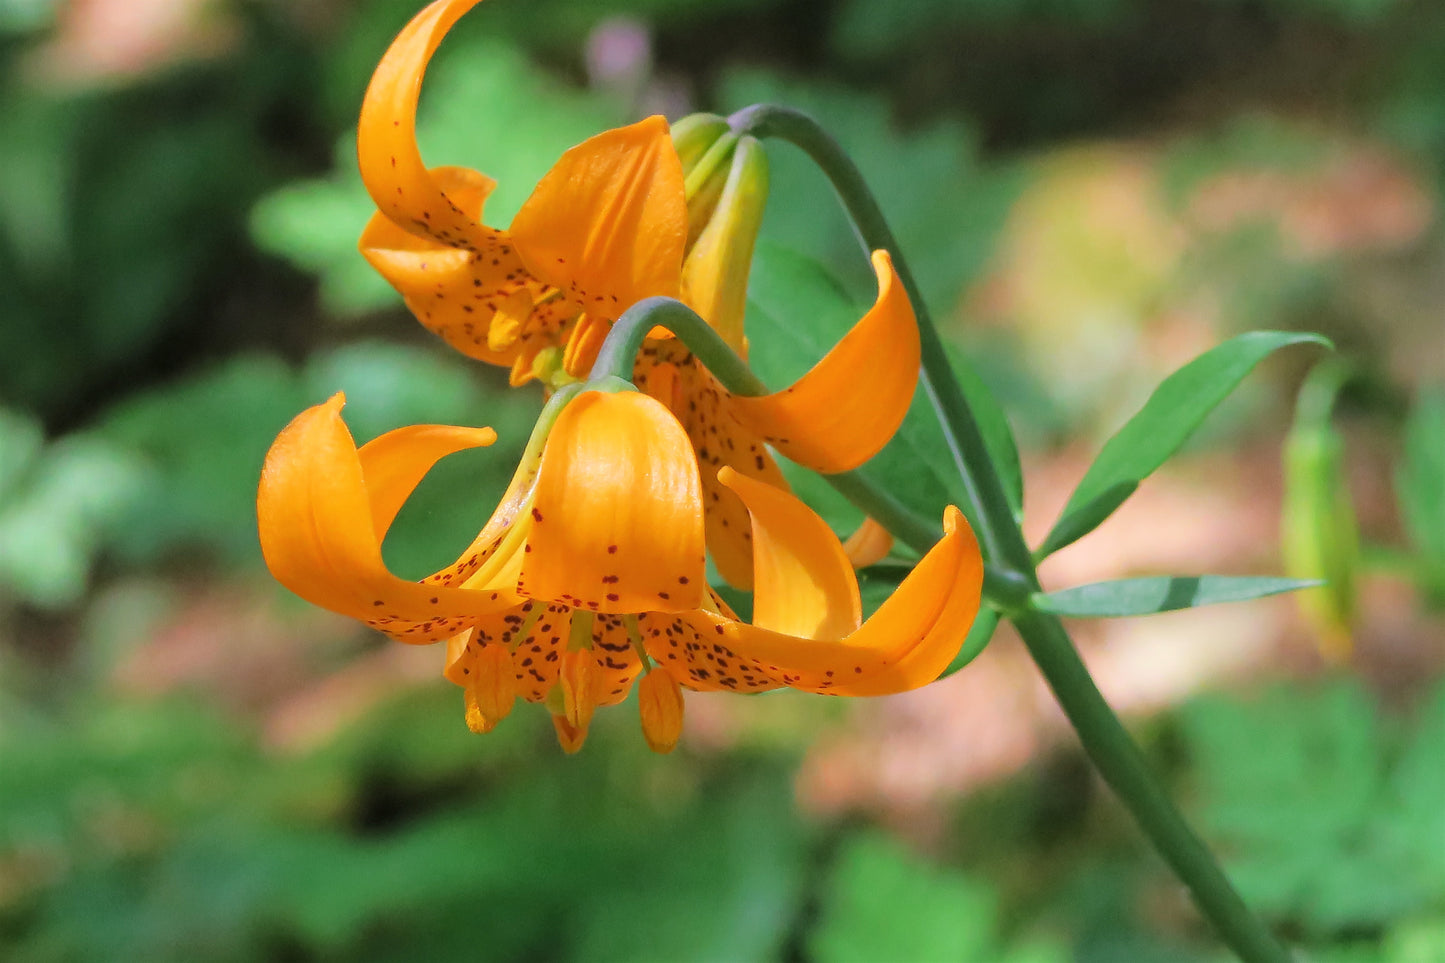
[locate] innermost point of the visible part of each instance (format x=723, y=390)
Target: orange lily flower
x=592, y=568
x=606, y=227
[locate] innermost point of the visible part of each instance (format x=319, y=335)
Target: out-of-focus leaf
x=23, y=16
x=1164, y=593
x=56, y=507
x=20, y=441
x=882, y=903
x=205, y=440
x=733, y=896
x=864, y=29
x=1166, y=421
x=1412, y=811
x=1294, y=813
x=1419, y=484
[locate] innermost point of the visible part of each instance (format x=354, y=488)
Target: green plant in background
x=133, y=827
x=499, y=297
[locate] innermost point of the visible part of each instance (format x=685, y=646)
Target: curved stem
x=1000, y=537
x=1003, y=589
x=619, y=350
x=1104, y=738
x=1123, y=767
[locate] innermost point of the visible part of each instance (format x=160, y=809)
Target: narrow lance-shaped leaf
x=1164, y=593
x=1172, y=413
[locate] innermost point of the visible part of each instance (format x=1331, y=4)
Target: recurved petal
x=391, y=165
x=617, y=515
x=845, y=409
x=393, y=464
x=907, y=643
x=318, y=533
x=607, y=225
x=803, y=583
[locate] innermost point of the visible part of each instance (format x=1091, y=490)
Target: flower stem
x=998, y=533
x=618, y=353
x=1123, y=767
x=1103, y=736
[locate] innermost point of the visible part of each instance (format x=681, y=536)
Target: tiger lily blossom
x=591, y=570
x=612, y=223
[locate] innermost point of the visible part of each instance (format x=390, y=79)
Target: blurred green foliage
x=178, y=278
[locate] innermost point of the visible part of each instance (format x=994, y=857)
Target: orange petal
x=318, y=531
x=718, y=441
x=391, y=166
x=607, y=225
x=869, y=545
x=454, y=292
x=393, y=464
x=696, y=659
x=617, y=514
x=803, y=581
x=845, y=409
x=907, y=643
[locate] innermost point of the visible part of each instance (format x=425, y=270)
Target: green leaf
x=998, y=437
x=1168, y=418
x=979, y=635
x=1164, y=593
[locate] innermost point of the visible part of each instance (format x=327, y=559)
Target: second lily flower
x=591, y=571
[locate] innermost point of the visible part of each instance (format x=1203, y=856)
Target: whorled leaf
x=1164, y=593
x=1175, y=409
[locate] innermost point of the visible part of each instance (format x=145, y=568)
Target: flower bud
x=715, y=270
x=659, y=699
x=1319, y=535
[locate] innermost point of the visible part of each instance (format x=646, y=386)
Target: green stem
x=997, y=531
x=1104, y=738
x=618, y=354
x=1123, y=767
x=615, y=361
x=1003, y=589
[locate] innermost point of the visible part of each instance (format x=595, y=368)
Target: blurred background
x=195, y=765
